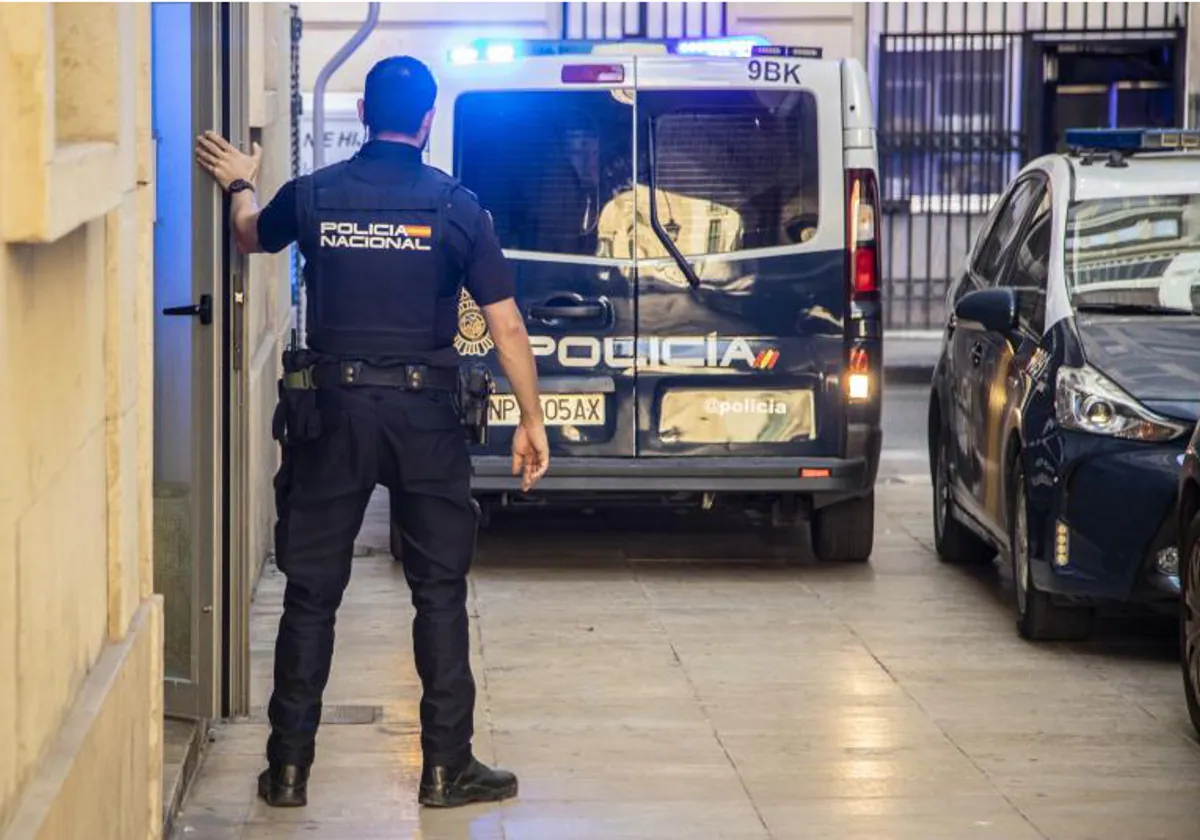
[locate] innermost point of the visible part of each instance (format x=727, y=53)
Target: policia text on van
x=691, y=235
x=389, y=245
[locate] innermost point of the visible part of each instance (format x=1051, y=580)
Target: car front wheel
x=1189, y=619
x=952, y=540
x=1039, y=618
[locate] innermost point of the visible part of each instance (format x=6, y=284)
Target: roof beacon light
x=464, y=55
x=737, y=46
x=787, y=52
x=500, y=52
x=1133, y=139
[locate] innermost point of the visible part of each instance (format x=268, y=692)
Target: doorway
x=1104, y=84
x=187, y=363
x=198, y=58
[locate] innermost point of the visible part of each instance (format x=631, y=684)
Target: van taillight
x=862, y=231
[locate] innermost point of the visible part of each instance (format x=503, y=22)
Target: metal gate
x=960, y=108
x=624, y=21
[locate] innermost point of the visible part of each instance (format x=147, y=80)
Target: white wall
x=838, y=28
x=425, y=30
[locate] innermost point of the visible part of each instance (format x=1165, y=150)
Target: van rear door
x=740, y=257
x=546, y=144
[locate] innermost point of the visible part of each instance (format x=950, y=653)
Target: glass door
x=188, y=361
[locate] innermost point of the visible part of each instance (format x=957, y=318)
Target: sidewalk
x=667, y=681
x=909, y=357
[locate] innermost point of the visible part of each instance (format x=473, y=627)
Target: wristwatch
x=240, y=184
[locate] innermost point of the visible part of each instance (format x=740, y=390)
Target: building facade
x=965, y=92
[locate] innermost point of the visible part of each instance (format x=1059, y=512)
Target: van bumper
x=820, y=477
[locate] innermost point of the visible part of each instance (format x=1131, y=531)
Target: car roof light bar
x=1131, y=140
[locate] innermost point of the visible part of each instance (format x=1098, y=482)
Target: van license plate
x=558, y=409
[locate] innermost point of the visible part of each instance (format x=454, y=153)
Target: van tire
x=845, y=532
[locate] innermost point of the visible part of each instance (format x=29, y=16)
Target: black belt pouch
x=297, y=416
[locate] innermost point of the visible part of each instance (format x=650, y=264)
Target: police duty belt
x=341, y=374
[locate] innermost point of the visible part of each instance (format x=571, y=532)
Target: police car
x=693, y=229
x=1070, y=378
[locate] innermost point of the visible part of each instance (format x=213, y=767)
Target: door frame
x=1038, y=50
x=219, y=681
x=196, y=697
x=238, y=584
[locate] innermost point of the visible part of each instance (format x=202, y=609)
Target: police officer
x=388, y=244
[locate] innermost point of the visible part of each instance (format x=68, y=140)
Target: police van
x=693, y=227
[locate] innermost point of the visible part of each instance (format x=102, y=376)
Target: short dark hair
x=399, y=92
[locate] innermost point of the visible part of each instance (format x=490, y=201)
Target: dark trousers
x=412, y=443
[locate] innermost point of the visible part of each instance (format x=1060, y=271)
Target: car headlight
x=1087, y=401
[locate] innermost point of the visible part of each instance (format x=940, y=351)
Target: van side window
x=551, y=166
x=733, y=170
x=994, y=249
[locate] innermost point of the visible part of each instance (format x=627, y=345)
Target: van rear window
x=545, y=164
x=733, y=170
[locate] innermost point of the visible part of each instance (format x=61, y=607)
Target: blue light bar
x=497, y=52
x=736, y=46
x=788, y=52
x=464, y=55
x=500, y=52
x=1133, y=139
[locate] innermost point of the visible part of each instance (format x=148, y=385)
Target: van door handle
x=578, y=311
x=977, y=354
x=203, y=309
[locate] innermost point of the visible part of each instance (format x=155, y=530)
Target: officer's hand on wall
x=531, y=454
x=224, y=162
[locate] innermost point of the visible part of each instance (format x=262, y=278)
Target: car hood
x=1154, y=358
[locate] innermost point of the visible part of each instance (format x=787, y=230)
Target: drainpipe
x=327, y=71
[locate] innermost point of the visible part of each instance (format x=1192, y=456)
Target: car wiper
x=656, y=225
x=1133, y=309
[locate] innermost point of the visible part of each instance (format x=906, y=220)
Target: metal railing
x=964, y=97
x=622, y=21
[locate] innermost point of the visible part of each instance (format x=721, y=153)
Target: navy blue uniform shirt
x=470, y=236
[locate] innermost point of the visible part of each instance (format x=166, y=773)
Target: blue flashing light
x=735, y=46
x=1132, y=139
x=464, y=55
x=500, y=52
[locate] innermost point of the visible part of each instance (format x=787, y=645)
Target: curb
x=908, y=374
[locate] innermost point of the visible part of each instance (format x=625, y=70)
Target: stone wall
x=80, y=630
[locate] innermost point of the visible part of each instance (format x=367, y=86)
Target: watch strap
x=240, y=184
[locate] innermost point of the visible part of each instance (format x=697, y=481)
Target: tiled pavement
x=682, y=684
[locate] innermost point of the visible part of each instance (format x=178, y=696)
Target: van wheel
x=1039, y=618
x=845, y=532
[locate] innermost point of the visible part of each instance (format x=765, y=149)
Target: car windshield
x=1134, y=254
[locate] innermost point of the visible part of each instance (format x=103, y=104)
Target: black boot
x=450, y=787
x=284, y=785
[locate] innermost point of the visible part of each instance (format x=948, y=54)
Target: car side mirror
x=993, y=309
